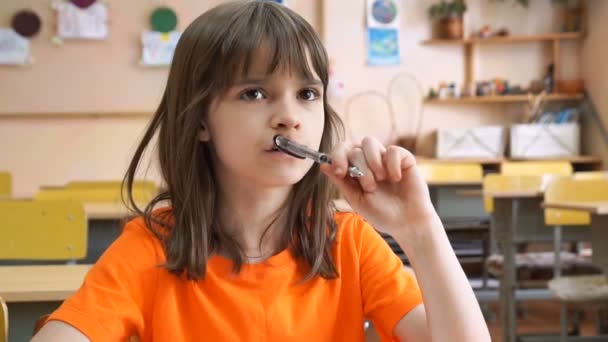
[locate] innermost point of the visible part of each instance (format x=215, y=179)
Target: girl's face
x=241, y=124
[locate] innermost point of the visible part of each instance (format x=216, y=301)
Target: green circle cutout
x=163, y=19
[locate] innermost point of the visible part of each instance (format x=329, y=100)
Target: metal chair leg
x=563, y=322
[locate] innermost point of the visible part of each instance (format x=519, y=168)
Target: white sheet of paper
x=14, y=49
x=74, y=22
x=158, y=47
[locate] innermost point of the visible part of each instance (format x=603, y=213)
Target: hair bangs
x=265, y=32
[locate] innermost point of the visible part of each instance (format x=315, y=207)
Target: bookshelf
x=507, y=39
x=469, y=44
x=503, y=99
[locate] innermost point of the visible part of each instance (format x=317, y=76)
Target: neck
x=254, y=218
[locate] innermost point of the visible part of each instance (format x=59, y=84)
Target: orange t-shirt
x=127, y=294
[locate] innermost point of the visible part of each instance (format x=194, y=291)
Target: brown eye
x=252, y=95
x=308, y=94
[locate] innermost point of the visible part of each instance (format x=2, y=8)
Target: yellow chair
x=533, y=168
x=451, y=172
x=500, y=183
x=590, y=175
x=530, y=169
x=146, y=186
x=98, y=192
x=574, y=289
x=573, y=190
x=42, y=230
x=6, y=182
x=3, y=321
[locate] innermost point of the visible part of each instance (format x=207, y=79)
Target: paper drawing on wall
x=383, y=46
x=383, y=32
x=14, y=41
x=383, y=13
x=282, y=2
x=81, y=19
x=159, y=44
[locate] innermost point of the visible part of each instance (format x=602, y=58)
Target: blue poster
x=383, y=46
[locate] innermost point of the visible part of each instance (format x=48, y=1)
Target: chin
x=288, y=178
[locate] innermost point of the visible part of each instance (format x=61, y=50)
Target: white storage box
x=478, y=142
x=545, y=140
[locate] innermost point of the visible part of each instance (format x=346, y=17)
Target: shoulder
x=352, y=229
x=140, y=239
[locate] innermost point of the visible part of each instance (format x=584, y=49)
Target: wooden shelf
x=503, y=99
x=508, y=39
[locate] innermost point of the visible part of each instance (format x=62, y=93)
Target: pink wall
x=101, y=77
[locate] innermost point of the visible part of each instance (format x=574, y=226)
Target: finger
x=356, y=157
x=339, y=160
x=392, y=160
x=408, y=161
x=373, y=151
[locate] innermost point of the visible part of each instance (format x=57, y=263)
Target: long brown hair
x=212, y=52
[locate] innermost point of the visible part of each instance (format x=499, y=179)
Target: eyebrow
x=263, y=80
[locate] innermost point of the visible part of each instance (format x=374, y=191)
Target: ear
x=203, y=133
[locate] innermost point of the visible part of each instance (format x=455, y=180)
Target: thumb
x=346, y=185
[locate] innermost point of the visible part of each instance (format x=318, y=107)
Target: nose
x=285, y=116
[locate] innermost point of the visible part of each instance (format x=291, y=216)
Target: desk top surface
x=595, y=207
x=41, y=282
x=455, y=183
x=514, y=194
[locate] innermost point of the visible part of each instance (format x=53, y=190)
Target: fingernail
x=338, y=171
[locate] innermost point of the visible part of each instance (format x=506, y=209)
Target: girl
x=250, y=247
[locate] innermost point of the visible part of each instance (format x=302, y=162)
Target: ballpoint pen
x=301, y=151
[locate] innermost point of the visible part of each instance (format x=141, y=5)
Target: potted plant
x=447, y=19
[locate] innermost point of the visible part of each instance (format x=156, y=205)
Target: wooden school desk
x=518, y=217
x=40, y=283
x=34, y=291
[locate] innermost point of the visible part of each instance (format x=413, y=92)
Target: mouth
x=284, y=145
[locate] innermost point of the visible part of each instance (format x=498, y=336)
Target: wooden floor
x=541, y=317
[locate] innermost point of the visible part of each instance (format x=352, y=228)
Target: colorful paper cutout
x=26, y=22
x=383, y=13
x=83, y=3
x=163, y=19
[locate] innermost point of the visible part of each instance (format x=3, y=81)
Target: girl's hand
x=391, y=195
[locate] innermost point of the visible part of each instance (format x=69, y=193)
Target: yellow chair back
x=497, y=182
x=42, y=230
x=98, y=192
x=451, y=172
x=143, y=191
x=6, y=184
x=573, y=190
x=590, y=175
x=3, y=321
x=533, y=168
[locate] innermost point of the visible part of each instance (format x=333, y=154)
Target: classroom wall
x=85, y=77
x=595, y=73
x=345, y=39
x=104, y=77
